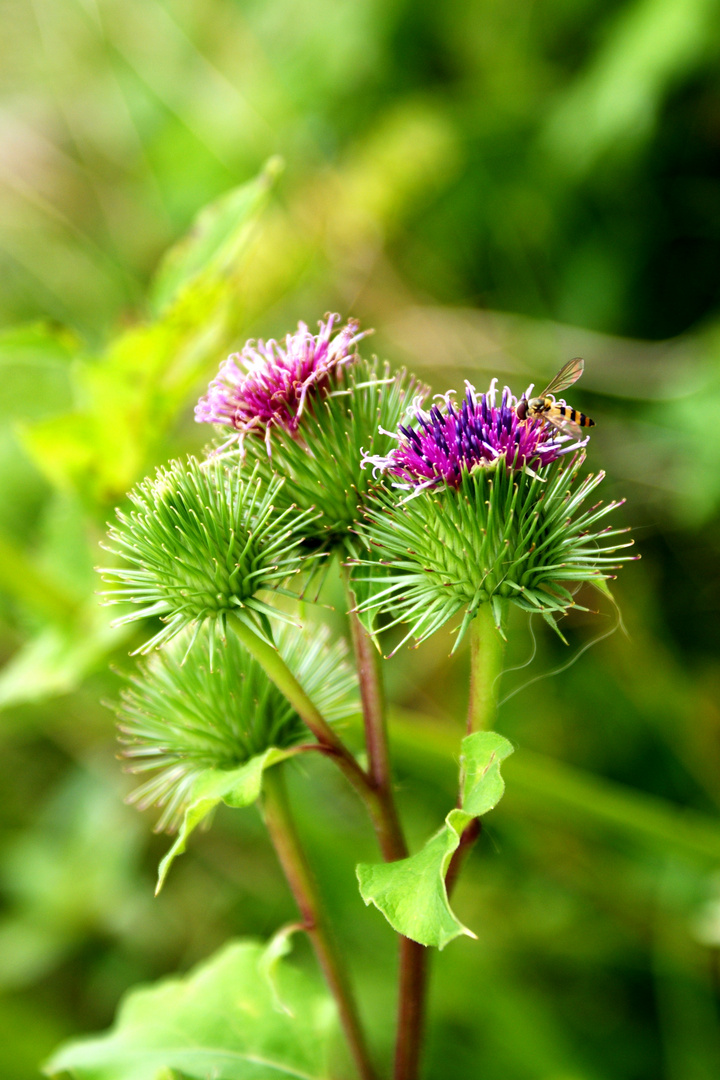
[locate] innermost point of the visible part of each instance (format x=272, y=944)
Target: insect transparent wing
x=567, y=427
x=567, y=375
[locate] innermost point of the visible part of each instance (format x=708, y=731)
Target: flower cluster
x=267, y=384
x=496, y=513
x=452, y=439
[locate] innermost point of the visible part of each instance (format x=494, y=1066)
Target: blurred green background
x=495, y=187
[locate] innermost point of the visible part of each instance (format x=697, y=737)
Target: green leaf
x=216, y=239
x=127, y=398
x=22, y=578
x=278, y=947
x=58, y=658
x=234, y=787
x=483, y=786
x=35, y=371
x=82, y=832
x=219, y=1021
x=411, y=893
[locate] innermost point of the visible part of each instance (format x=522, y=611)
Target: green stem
x=277, y=670
x=283, y=834
x=487, y=649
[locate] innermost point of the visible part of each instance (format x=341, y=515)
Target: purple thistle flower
x=452, y=438
x=267, y=384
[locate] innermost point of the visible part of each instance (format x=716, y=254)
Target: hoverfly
x=568, y=421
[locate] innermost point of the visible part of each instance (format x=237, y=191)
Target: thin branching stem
x=381, y=807
x=277, y=670
x=412, y=965
x=487, y=650
x=390, y=837
x=291, y=856
x=373, y=704
x=467, y=840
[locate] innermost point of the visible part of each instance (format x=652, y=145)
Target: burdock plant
x=455, y=514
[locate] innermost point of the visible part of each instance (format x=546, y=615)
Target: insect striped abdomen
x=575, y=416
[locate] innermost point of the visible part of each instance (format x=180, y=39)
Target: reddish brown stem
x=302, y=884
x=467, y=840
x=412, y=975
x=411, y=1009
x=277, y=670
x=390, y=836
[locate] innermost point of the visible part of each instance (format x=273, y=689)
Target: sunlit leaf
x=126, y=398
x=411, y=893
x=34, y=370
x=216, y=239
x=22, y=578
x=59, y=657
x=221, y=1020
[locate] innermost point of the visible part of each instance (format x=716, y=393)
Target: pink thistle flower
x=453, y=438
x=269, y=385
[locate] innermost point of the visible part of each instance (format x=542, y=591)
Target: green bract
x=179, y=716
x=502, y=536
x=322, y=464
x=201, y=541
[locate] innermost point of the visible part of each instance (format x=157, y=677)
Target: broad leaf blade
x=235, y=787
x=126, y=399
x=34, y=369
x=57, y=659
x=221, y=1020
x=218, y=236
x=411, y=893
x=483, y=786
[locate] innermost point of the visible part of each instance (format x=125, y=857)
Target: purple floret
x=267, y=384
x=451, y=439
